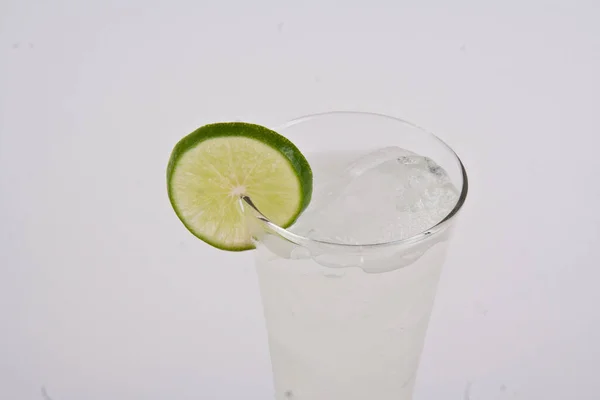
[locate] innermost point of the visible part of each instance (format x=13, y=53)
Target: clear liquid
x=346, y=333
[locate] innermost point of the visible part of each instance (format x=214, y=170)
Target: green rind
x=242, y=129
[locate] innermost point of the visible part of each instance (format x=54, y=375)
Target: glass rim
x=438, y=227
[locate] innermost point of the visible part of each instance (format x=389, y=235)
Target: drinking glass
x=348, y=321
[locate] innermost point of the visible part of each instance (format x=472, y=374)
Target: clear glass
x=349, y=321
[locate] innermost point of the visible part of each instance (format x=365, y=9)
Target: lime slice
x=211, y=168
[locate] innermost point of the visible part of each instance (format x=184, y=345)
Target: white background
x=103, y=293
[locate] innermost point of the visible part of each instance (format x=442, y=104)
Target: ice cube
x=390, y=194
x=376, y=158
